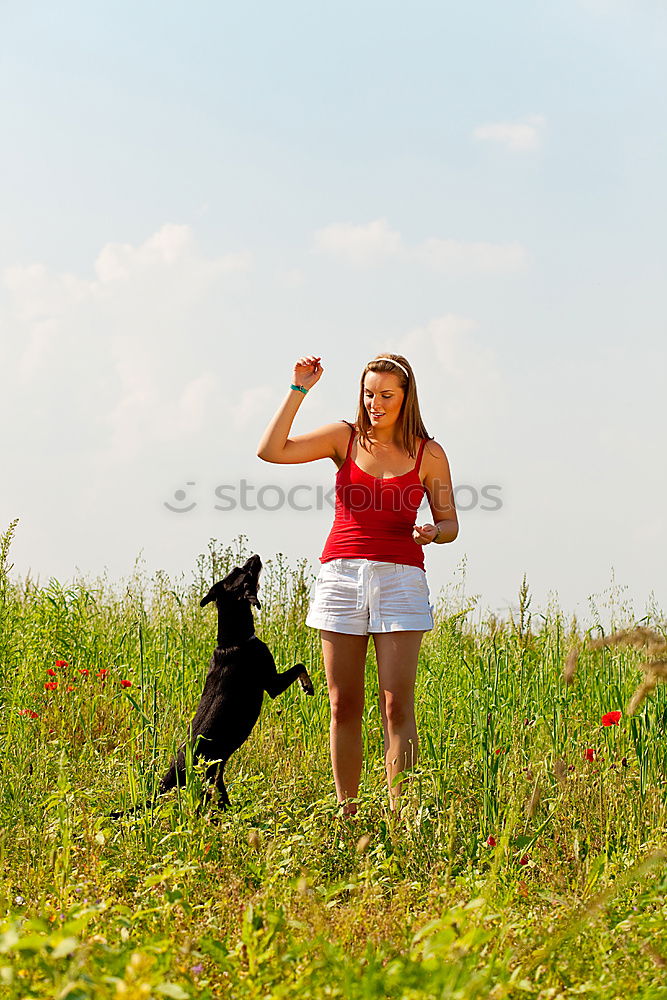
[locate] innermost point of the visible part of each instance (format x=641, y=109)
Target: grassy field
x=530, y=859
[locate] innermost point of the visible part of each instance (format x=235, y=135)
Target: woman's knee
x=345, y=707
x=399, y=711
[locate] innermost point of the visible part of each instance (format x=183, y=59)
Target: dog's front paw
x=305, y=682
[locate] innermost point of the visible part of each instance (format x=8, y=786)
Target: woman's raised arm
x=276, y=446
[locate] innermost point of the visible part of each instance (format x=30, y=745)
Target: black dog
x=241, y=670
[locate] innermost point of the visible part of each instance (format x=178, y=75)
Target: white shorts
x=358, y=596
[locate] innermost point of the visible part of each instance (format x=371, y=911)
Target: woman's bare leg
x=397, y=654
x=344, y=662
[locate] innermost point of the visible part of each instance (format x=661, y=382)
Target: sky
x=191, y=198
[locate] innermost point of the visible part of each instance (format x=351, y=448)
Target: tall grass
x=528, y=859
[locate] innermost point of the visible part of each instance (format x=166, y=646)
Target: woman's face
x=383, y=398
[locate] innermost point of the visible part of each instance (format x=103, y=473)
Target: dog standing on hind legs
x=242, y=668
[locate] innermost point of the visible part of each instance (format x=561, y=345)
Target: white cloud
x=361, y=245
x=454, y=256
x=606, y=6
x=458, y=372
x=171, y=246
x=254, y=402
x=518, y=136
x=376, y=242
x=149, y=411
x=122, y=362
x=291, y=278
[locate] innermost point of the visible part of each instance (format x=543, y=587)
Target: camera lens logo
x=180, y=496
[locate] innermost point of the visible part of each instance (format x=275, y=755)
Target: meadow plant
x=528, y=858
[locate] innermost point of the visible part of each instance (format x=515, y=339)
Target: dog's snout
x=254, y=563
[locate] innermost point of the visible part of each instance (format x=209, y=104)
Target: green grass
x=281, y=897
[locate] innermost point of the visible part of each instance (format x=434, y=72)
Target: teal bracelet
x=300, y=388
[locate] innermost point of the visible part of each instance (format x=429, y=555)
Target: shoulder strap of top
x=349, y=443
x=419, y=454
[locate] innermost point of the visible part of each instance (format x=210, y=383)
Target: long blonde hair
x=410, y=420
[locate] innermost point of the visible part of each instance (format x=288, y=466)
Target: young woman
x=372, y=577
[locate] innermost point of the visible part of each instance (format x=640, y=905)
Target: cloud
x=518, y=136
x=171, y=246
x=454, y=368
x=253, y=402
x=605, y=7
x=148, y=411
x=361, y=245
x=453, y=256
x=375, y=242
x=125, y=362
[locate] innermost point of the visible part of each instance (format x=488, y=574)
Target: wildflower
x=491, y=841
x=589, y=754
x=611, y=718
x=70, y=688
x=51, y=672
x=624, y=762
x=103, y=672
x=51, y=685
x=62, y=663
x=197, y=969
x=84, y=672
x=125, y=683
x=523, y=860
x=30, y=712
x=498, y=751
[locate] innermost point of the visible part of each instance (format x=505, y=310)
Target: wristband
x=300, y=388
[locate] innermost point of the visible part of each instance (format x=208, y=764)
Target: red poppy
x=62, y=663
x=51, y=685
x=51, y=672
x=589, y=754
x=69, y=687
x=126, y=684
x=498, y=751
x=30, y=712
x=103, y=672
x=84, y=672
x=523, y=860
x=491, y=841
x=611, y=718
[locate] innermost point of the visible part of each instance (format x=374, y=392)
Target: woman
x=372, y=577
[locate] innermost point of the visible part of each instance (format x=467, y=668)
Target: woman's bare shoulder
x=434, y=454
x=343, y=431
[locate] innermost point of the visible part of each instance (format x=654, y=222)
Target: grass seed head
x=560, y=769
x=636, y=638
x=533, y=801
x=571, y=665
x=656, y=667
x=645, y=688
x=363, y=843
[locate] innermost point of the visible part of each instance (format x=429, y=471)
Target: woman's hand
x=307, y=371
x=424, y=534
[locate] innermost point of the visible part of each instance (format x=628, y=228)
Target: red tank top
x=374, y=517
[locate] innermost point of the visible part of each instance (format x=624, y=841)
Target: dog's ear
x=209, y=597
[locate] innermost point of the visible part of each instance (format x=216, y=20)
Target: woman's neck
x=393, y=441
